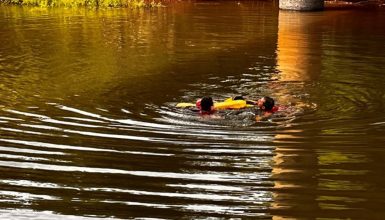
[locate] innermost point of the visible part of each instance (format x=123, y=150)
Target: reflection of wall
x=299, y=52
x=102, y=55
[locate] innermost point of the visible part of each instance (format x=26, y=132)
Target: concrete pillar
x=301, y=5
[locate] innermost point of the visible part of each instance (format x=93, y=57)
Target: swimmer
x=266, y=105
x=206, y=105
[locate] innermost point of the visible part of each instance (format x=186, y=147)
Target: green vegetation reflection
x=85, y=3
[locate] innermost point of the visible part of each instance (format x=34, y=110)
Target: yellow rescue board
x=230, y=104
x=227, y=104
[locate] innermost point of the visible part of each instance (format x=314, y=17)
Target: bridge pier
x=301, y=5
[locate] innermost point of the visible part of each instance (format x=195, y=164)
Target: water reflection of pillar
x=299, y=52
x=294, y=171
x=295, y=164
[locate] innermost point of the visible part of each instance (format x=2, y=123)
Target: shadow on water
x=88, y=126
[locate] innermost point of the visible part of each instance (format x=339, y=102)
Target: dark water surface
x=88, y=127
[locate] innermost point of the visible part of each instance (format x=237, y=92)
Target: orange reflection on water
x=290, y=176
x=283, y=157
x=299, y=52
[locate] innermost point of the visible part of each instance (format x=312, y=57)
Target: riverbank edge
x=86, y=3
x=329, y=4
x=354, y=4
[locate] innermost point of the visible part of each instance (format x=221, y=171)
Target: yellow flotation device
x=229, y=103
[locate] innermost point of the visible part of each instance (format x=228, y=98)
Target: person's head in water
x=206, y=104
x=266, y=103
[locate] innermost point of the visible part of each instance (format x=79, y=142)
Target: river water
x=89, y=127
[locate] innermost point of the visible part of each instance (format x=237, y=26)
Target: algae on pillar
x=301, y=5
